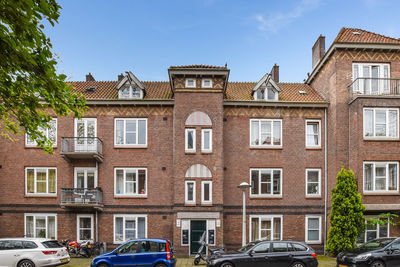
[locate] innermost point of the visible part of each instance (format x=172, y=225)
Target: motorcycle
x=203, y=244
x=79, y=248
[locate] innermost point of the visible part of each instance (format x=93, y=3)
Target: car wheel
x=297, y=264
x=377, y=264
x=26, y=263
x=196, y=261
x=102, y=265
x=227, y=264
x=160, y=265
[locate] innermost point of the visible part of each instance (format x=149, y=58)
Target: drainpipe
x=97, y=229
x=97, y=185
x=326, y=179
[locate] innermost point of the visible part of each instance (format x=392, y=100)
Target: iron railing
x=374, y=87
x=81, y=145
x=81, y=196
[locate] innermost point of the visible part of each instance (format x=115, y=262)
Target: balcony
x=374, y=87
x=82, y=198
x=82, y=148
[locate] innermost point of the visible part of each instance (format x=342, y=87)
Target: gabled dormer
x=129, y=87
x=266, y=89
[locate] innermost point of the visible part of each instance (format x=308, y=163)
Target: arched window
x=198, y=171
x=198, y=118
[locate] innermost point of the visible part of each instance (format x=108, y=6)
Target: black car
x=267, y=254
x=381, y=252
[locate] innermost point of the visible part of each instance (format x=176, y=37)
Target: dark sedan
x=379, y=252
x=267, y=254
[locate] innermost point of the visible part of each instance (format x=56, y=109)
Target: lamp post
x=244, y=187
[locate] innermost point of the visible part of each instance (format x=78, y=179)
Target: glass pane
x=313, y=235
x=313, y=223
x=130, y=234
x=190, y=141
x=374, y=80
x=142, y=132
x=383, y=230
x=51, y=227
x=80, y=179
x=380, y=184
x=125, y=92
x=119, y=229
x=371, y=235
x=392, y=177
x=131, y=138
x=255, y=228
x=277, y=182
x=206, y=139
x=262, y=248
x=254, y=182
x=41, y=181
x=52, y=181
x=312, y=189
x=368, y=177
x=260, y=94
x=355, y=76
x=280, y=247
x=131, y=126
x=142, y=182
x=277, y=228
x=29, y=226
x=141, y=227
x=85, y=234
x=367, y=82
x=368, y=122
x=90, y=179
x=190, y=187
x=313, y=176
x=130, y=224
x=85, y=222
x=266, y=133
x=254, y=133
x=277, y=132
x=271, y=94
x=130, y=175
x=206, y=192
x=31, y=181
x=119, y=132
x=120, y=182
x=136, y=92
x=52, y=131
x=380, y=126
x=393, y=123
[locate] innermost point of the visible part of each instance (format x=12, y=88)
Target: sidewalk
x=186, y=262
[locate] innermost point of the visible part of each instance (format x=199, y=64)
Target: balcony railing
x=82, y=148
x=374, y=87
x=82, y=197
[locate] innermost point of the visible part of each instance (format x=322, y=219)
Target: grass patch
x=325, y=261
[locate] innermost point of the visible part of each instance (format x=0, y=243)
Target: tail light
x=314, y=255
x=49, y=252
x=168, y=251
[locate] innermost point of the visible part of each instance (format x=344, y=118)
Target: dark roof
x=354, y=35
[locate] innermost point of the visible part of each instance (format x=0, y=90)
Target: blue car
x=139, y=252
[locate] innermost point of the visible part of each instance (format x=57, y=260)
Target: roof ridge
x=91, y=81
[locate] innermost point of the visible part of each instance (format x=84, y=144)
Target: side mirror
x=250, y=253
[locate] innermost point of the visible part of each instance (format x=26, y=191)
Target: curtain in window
x=254, y=182
x=393, y=127
x=254, y=228
x=51, y=227
x=30, y=181
x=141, y=227
x=52, y=180
x=392, y=177
x=142, y=132
x=368, y=122
x=29, y=227
x=119, y=224
x=277, y=182
x=41, y=181
x=120, y=182
x=277, y=228
x=90, y=179
x=142, y=182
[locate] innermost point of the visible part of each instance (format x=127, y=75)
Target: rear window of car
x=298, y=247
x=52, y=244
x=162, y=247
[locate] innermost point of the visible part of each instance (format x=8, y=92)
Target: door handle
x=266, y=257
x=16, y=255
x=132, y=257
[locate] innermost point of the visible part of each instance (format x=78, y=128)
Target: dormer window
x=266, y=89
x=206, y=83
x=266, y=94
x=130, y=91
x=190, y=83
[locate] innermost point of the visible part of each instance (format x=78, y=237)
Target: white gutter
x=326, y=179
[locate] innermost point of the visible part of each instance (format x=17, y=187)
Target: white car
x=32, y=252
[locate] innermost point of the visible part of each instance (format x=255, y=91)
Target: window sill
x=260, y=197
x=130, y=146
x=313, y=148
x=206, y=152
x=314, y=242
x=313, y=197
x=37, y=147
x=190, y=204
x=381, y=193
x=381, y=139
x=38, y=195
x=266, y=147
x=206, y=204
x=190, y=152
x=130, y=196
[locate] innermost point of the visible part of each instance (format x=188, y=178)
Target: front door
x=197, y=228
x=85, y=131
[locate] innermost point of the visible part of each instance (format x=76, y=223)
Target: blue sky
x=107, y=37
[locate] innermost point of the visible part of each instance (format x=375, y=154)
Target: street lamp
x=244, y=186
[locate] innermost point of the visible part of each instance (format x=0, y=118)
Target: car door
x=279, y=255
x=393, y=255
x=257, y=257
x=147, y=253
x=10, y=252
x=125, y=255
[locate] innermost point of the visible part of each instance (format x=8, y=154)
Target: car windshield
x=375, y=244
x=247, y=247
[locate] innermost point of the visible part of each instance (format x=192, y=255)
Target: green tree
x=30, y=88
x=347, y=214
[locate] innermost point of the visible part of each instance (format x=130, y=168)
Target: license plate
x=64, y=260
x=341, y=265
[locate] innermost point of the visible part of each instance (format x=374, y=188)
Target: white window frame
x=374, y=163
x=319, y=182
x=129, y=217
x=187, y=149
x=272, y=195
x=319, y=229
x=124, y=183
x=131, y=87
x=124, y=132
x=35, y=179
x=187, y=201
x=203, y=149
x=85, y=170
x=187, y=83
x=374, y=123
x=319, y=134
x=47, y=215
x=203, y=83
x=46, y=133
x=377, y=229
x=203, y=201
x=265, y=217
x=266, y=89
x=360, y=67
x=272, y=132
x=78, y=228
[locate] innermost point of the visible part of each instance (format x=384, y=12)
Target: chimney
x=90, y=78
x=318, y=50
x=275, y=73
x=120, y=76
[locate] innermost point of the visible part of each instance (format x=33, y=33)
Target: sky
x=109, y=37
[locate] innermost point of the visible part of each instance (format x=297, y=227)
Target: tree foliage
x=347, y=214
x=30, y=88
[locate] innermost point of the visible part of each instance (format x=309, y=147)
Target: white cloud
x=273, y=22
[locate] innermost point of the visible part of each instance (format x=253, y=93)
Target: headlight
x=363, y=257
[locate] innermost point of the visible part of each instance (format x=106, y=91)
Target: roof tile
x=354, y=35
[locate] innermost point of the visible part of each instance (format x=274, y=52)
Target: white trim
x=319, y=229
x=136, y=171
x=34, y=143
x=377, y=229
x=265, y=217
x=319, y=182
x=203, y=140
x=187, y=149
x=319, y=134
x=129, y=216
x=360, y=70
x=35, y=181
x=34, y=215
x=272, y=195
x=78, y=216
x=187, y=201
x=187, y=83
x=206, y=79
x=124, y=132
x=203, y=183
x=85, y=171
x=374, y=137
x=272, y=121
x=374, y=163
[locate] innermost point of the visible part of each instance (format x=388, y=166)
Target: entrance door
x=197, y=228
x=85, y=130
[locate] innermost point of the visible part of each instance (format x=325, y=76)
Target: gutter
x=252, y=103
x=117, y=102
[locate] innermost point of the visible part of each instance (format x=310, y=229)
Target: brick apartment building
x=164, y=159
